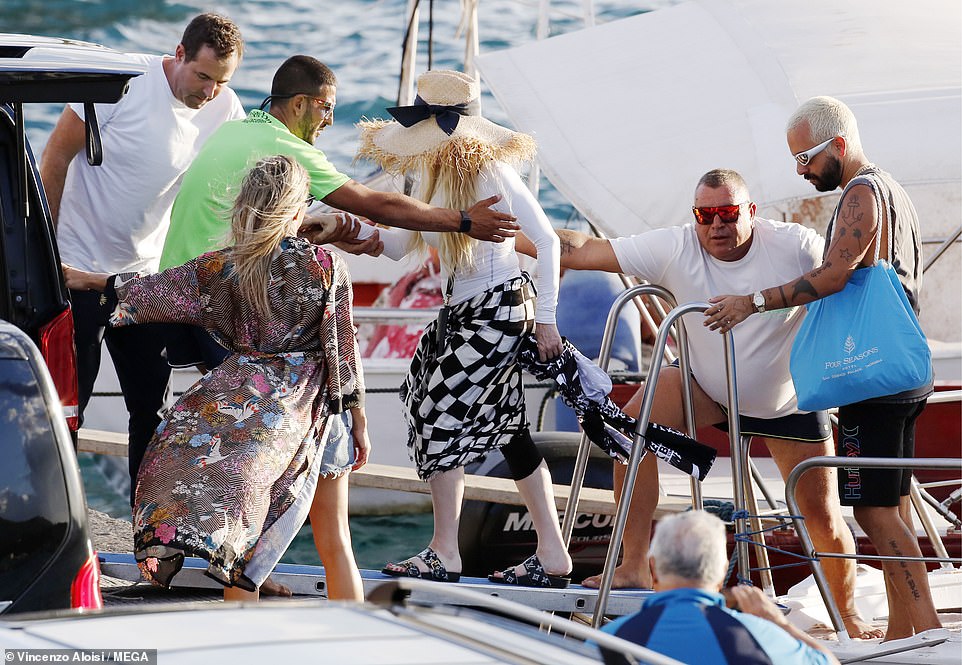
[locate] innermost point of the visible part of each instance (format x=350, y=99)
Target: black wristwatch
x=465, y=222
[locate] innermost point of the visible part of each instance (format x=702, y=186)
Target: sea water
x=361, y=41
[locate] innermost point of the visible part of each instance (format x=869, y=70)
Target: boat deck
x=123, y=586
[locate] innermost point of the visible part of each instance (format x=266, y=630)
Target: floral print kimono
x=230, y=473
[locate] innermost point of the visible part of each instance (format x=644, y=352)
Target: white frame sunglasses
x=805, y=156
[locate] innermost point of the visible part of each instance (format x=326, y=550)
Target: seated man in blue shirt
x=687, y=618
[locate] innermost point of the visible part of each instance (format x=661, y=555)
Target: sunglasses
x=728, y=214
x=327, y=109
x=806, y=156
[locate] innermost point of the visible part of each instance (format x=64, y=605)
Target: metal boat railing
x=809, y=548
x=918, y=492
x=604, y=358
x=941, y=249
x=739, y=448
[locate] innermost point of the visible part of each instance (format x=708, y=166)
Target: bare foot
x=271, y=587
x=859, y=629
x=625, y=578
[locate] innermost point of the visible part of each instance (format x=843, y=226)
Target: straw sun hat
x=443, y=126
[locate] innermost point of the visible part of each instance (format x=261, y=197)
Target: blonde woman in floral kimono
x=244, y=456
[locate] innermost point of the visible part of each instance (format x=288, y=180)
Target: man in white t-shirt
x=113, y=218
x=728, y=248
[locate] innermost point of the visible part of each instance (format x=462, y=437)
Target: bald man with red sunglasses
x=727, y=249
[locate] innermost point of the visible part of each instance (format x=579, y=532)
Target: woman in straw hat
x=463, y=395
x=244, y=456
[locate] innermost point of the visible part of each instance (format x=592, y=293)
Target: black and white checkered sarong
x=466, y=399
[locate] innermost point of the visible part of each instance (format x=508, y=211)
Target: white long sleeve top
x=496, y=263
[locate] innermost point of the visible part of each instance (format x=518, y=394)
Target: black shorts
x=188, y=346
x=813, y=427
x=873, y=429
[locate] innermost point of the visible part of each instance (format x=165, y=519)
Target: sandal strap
x=430, y=558
x=533, y=569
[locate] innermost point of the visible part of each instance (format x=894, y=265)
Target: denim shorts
x=337, y=455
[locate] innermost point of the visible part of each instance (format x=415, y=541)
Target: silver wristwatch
x=759, y=301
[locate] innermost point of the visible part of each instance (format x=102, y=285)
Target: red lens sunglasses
x=727, y=214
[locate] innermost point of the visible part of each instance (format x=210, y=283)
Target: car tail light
x=85, y=588
x=57, y=348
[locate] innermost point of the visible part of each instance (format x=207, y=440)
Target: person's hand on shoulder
x=487, y=223
x=330, y=227
x=347, y=232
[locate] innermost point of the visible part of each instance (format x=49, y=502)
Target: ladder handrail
x=604, y=358
x=739, y=452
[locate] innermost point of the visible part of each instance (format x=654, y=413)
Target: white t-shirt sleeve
x=236, y=108
x=812, y=248
x=649, y=255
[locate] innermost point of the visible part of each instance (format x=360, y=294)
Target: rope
x=725, y=511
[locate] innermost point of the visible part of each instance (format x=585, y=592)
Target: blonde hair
x=457, y=190
x=826, y=117
x=264, y=213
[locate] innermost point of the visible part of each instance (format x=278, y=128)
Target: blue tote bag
x=860, y=343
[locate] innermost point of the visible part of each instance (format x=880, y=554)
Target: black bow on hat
x=446, y=115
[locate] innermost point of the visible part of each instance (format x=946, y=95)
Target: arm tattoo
x=804, y=286
x=857, y=234
x=781, y=292
x=822, y=268
x=853, y=214
x=567, y=247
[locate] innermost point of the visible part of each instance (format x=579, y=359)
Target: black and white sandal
x=534, y=576
x=436, y=571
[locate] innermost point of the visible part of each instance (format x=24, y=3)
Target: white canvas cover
x=629, y=114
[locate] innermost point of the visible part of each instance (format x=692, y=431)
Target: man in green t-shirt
x=302, y=100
